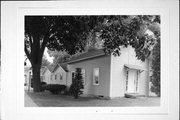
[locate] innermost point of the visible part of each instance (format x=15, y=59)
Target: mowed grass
x=46, y=99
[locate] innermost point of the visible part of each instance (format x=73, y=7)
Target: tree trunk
x=36, y=78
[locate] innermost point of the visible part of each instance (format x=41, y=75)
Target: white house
x=27, y=77
x=109, y=76
x=47, y=75
x=57, y=75
x=27, y=74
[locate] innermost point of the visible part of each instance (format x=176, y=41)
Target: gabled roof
x=49, y=67
x=87, y=55
x=43, y=68
x=63, y=65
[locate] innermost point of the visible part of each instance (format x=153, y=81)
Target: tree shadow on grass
x=46, y=99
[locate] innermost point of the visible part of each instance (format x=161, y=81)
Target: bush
x=77, y=84
x=54, y=88
x=155, y=79
x=43, y=84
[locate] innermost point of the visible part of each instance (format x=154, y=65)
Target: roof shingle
x=87, y=55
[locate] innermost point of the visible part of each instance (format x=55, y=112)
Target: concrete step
x=133, y=95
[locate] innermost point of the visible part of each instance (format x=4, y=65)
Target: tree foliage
x=70, y=33
x=55, y=33
x=156, y=66
x=59, y=56
x=119, y=31
x=77, y=84
x=156, y=69
x=45, y=62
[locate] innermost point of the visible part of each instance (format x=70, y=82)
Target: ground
x=46, y=99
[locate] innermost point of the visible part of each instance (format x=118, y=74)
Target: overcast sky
x=50, y=59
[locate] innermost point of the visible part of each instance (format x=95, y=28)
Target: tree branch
x=43, y=45
x=31, y=44
x=27, y=53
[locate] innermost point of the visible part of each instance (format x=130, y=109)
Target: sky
x=50, y=59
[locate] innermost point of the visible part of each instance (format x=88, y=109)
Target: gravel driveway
x=46, y=99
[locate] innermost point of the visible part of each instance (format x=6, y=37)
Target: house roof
x=43, y=68
x=63, y=65
x=87, y=55
x=49, y=67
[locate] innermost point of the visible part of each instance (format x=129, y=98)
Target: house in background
x=27, y=77
x=111, y=76
x=46, y=75
x=59, y=74
x=55, y=74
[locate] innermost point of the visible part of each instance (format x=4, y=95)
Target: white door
x=132, y=86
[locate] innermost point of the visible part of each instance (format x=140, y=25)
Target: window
x=96, y=76
x=83, y=75
x=51, y=77
x=55, y=77
x=126, y=80
x=73, y=75
x=61, y=76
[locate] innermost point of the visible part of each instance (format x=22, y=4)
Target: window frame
x=60, y=76
x=51, y=77
x=94, y=82
x=127, y=76
x=55, y=77
x=72, y=72
x=83, y=76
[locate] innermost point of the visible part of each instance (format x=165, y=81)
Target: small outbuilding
x=110, y=76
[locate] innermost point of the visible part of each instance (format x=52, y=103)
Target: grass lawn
x=46, y=99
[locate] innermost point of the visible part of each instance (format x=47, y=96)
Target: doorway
x=132, y=81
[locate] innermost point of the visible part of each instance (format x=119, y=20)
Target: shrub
x=155, y=79
x=77, y=84
x=43, y=84
x=54, y=88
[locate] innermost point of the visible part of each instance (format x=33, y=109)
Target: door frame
x=135, y=81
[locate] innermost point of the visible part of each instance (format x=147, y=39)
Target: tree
x=131, y=30
x=69, y=33
x=45, y=62
x=55, y=33
x=59, y=56
x=77, y=84
x=155, y=79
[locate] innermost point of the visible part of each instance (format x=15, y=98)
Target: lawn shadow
x=46, y=99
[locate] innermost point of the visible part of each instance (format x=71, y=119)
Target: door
x=132, y=83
